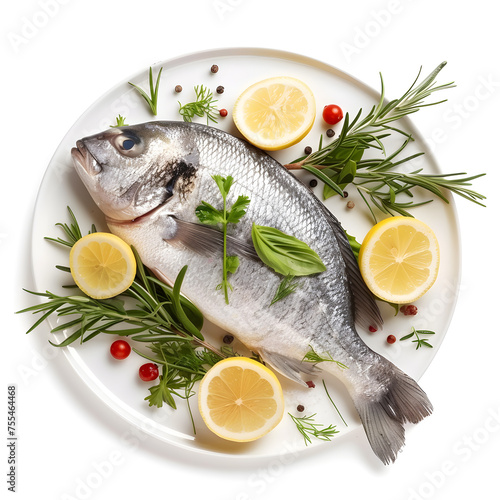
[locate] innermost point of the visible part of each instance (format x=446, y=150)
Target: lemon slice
x=399, y=259
x=102, y=265
x=240, y=399
x=275, y=113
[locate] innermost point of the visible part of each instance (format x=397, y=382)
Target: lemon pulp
x=399, y=259
x=102, y=265
x=240, y=399
x=275, y=113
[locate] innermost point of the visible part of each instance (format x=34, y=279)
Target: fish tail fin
x=384, y=414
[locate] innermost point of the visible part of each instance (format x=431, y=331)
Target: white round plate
x=116, y=382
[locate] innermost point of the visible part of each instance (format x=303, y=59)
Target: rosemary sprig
x=204, y=104
x=149, y=312
x=420, y=341
x=308, y=428
x=378, y=180
x=120, y=122
x=72, y=231
x=151, y=99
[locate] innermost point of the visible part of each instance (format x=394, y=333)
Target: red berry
x=391, y=339
x=372, y=329
x=148, y=372
x=332, y=114
x=310, y=384
x=223, y=112
x=120, y=349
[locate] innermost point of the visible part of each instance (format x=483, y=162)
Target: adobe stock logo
x=364, y=34
x=33, y=24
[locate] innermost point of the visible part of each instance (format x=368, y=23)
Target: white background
x=72, y=446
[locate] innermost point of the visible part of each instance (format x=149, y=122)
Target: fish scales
x=148, y=179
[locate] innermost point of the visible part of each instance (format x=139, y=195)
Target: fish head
x=130, y=171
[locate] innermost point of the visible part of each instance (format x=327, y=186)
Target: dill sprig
x=312, y=356
x=308, y=428
x=287, y=286
x=149, y=312
x=378, y=180
x=151, y=99
x=204, y=104
x=419, y=340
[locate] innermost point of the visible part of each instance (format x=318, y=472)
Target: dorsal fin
x=366, y=311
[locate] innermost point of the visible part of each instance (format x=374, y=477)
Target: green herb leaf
x=308, y=428
x=285, y=254
x=312, y=356
x=419, y=340
x=207, y=214
x=334, y=405
x=232, y=263
x=160, y=393
x=149, y=312
x=204, y=104
x=378, y=181
x=287, y=286
x=120, y=122
x=176, y=293
x=151, y=99
x=238, y=209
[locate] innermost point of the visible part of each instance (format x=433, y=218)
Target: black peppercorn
x=308, y=150
x=178, y=88
x=330, y=132
x=228, y=339
x=313, y=183
x=214, y=68
x=220, y=89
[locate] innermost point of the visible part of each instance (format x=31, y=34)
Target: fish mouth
x=136, y=220
x=83, y=159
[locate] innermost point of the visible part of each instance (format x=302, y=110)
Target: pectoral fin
x=208, y=240
x=289, y=367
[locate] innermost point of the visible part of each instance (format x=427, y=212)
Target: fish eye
x=128, y=144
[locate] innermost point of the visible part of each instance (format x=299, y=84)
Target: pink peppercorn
x=391, y=339
x=409, y=310
x=372, y=329
x=223, y=112
x=310, y=384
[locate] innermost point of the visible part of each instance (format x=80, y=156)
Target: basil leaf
x=284, y=253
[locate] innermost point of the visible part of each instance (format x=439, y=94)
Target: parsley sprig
x=207, y=214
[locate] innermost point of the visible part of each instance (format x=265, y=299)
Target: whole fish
x=148, y=179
